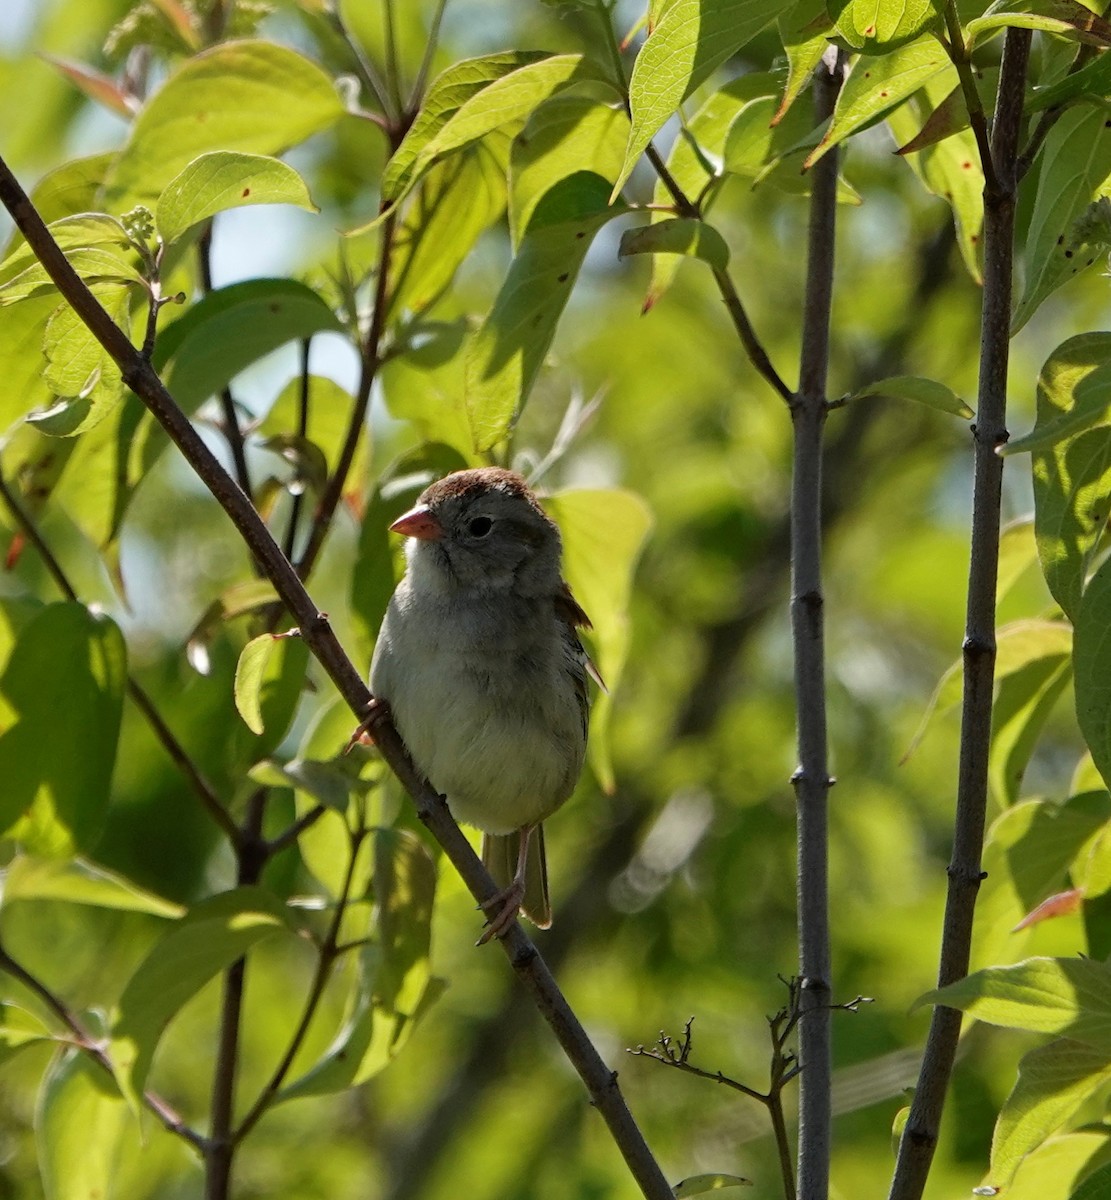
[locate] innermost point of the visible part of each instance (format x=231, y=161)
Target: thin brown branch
x=165, y=735
x=371, y=361
x=919, y=1140
x=959, y=55
x=754, y=348
x=532, y=971
x=328, y=952
x=812, y=779
x=232, y=431
x=220, y=1150
x=87, y=1044
x=287, y=837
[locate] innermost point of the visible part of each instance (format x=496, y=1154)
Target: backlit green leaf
x=693, y=39
x=721, y=1186
x=1066, y=996
x=81, y=1129
x=1092, y=665
x=505, y=354
x=604, y=532
x=1071, y=461
x=446, y=96
x=685, y=236
x=874, y=87
x=211, y=936
x=566, y=135
x=1076, y=161
x=923, y=391
x=251, y=96
x=221, y=180
x=1066, y=18
x=233, y=327
x=503, y=104
x=804, y=32
x=79, y=881
x=56, y=788
x=1053, y=1082
x=879, y=26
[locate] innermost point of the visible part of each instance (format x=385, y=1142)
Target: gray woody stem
x=916, y=1150
x=531, y=969
x=812, y=782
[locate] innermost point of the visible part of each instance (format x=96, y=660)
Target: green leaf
x=327, y=782
x=21, y=359
x=95, y=264
x=950, y=169
x=269, y=683
x=1076, y=162
x=206, y=941
x=249, y=672
x=1053, y=1082
x=1030, y=850
x=1092, y=665
x=1023, y=702
x=879, y=26
x=1018, y=644
x=804, y=33
x=221, y=180
x=603, y=532
x=233, y=327
x=1072, y=461
x=1065, y=996
x=81, y=1129
x=682, y=235
x=79, y=881
x=251, y=96
x=1096, y=1186
x=1094, y=79
x=1058, y=1165
x=68, y=190
x=425, y=385
x=924, y=391
x=395, y=986
x=1066, y=18
x=693, y=39
x=20, y=1028
x=502, y=104
x=446, y=96
x=566, y=135
x=700, y=1185
x=56, y=788
x=874, y=87
x=329, y=415
x=505, y=354
x=235, y=601
x=462, y=196
x=78, y=368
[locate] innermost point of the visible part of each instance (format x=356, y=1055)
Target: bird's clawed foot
x=377, y=712
x=502, y=909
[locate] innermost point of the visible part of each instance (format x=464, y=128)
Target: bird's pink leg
x=502, y=908
x=377, y=712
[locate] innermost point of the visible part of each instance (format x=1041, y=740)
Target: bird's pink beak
x=418, y=523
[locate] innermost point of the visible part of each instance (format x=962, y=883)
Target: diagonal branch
x=533, y=972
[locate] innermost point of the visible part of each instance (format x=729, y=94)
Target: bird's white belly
x=498, y=731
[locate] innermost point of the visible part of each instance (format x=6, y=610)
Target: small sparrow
x=484, y=675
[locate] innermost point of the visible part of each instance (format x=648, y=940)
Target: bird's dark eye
x=480, y=526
